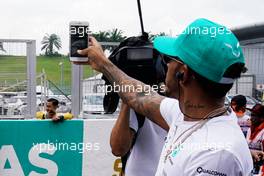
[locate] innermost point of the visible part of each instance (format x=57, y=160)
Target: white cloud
x=33, y=18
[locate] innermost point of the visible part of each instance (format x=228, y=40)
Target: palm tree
x=153, y=36
x=49, y=42
x=101, y=36
x=116, y=35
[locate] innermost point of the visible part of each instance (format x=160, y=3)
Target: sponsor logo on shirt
x=201, y=170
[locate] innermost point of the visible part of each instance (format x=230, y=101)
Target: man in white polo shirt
x=204, y=137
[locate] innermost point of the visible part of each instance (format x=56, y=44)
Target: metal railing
x=30, y=72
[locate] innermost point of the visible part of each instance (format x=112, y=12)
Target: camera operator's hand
x=257, y=155
x=95, y=54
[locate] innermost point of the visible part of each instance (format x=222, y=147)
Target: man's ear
x=177, y=71
x=187, y=74
x=179, y=75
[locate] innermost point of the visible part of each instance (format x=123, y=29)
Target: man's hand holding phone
x=95, y=54
x=79, y=33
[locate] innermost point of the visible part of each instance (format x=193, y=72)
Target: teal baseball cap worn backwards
x=206, y=47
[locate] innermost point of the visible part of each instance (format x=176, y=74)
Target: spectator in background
x=238, y=104
x=255, y=137
x=50, y=113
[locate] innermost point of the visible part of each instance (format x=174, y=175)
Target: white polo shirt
x=218, y=148
x=145, y=154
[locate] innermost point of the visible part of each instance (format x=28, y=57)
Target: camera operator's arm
x=122, y=135
x=146, y=102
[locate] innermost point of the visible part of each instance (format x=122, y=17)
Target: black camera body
x=138, y=59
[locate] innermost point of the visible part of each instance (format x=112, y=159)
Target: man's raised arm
x=146, y=101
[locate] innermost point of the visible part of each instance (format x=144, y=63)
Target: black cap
x=239, y=100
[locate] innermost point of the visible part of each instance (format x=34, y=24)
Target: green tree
x=49, y=42
x=152, y=36
x=101, y=36
x=116, y=35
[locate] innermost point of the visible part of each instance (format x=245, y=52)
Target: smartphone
x=79, y=31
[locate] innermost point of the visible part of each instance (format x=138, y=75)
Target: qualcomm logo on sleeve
x=201, y=170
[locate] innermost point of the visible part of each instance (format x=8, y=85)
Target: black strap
x=140, y=17
x=140, y=120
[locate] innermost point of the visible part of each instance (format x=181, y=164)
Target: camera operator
x=204, y=137
x=255, y=137
x=140, y=137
